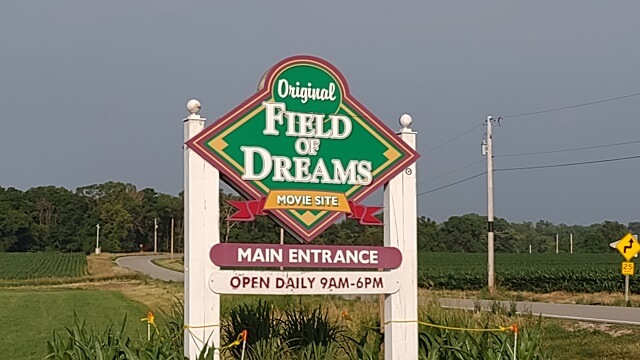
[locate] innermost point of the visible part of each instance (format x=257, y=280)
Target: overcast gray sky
x=95, y=91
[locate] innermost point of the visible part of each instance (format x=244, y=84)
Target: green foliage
x=300, y=341
x=58, y=217
x=268, y=349
x=82, y=342
x=304, y=326
x=427, y=235
x=298, y=333
x=584, y=273
x=316, y=351
x=15, y=266
x=53, y=218
x=14, y=226
x=445, y=343
x=463, y=232
x=79, y=341
x=368, y=344
x=171, y=323
x=29, y=316
x=259, y=321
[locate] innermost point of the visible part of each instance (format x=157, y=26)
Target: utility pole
x=155, y=235
x=97, y=238
x=556, y=243
x=487, y=150
x=171, y=238
x=571, y=243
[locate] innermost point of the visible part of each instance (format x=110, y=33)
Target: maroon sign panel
x=305, y=256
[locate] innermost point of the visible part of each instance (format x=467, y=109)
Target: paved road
x=144, y=265
x=591, y=313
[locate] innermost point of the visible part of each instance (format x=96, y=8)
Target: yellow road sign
x=628, y=268
x=628, y=246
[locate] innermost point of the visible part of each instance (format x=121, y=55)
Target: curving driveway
x=143, y=264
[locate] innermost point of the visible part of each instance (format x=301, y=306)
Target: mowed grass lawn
x=29, y=317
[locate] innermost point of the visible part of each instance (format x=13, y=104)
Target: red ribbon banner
x=364, y=214
x=247, y=210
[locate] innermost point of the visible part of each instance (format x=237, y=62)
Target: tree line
x=50, y=218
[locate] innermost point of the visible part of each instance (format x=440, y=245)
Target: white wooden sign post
x=300, y=125
x=400, y=231
x=201, y=232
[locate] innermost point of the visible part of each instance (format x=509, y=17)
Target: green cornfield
x=542, y=273
x=19, y=266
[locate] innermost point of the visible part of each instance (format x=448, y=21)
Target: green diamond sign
x=302, y=149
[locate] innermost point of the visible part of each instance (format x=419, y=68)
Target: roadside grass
x=562, y=339
x=175, y=264
x=29, y=317
x=571, y=340
x=558, y=297
x=108, y=292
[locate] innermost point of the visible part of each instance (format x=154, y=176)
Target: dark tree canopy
x=49, y=218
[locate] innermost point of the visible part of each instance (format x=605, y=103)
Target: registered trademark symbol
x=408, y=171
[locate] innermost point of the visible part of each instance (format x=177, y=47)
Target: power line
x=534, y=153
x=569, y=164
x=450, y=172
x=446, y=142
x=531, y=168
x=535, y=113
x=452, y=184
x=567, y=150
x=571, y=106
x=451, y=140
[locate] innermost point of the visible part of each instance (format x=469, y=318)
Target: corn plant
x=259, y=321
x=316, y=351
x=171, y=323
x=81, y=342
x=481, y=339
x=268, y=349
x=21, y=266
x=304, y=326
x=542, y=273
x=366, y=346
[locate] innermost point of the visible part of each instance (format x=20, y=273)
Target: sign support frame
x=201, y=221
x=632, y=245
x=626, y=289
x=201, y=232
